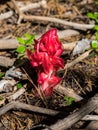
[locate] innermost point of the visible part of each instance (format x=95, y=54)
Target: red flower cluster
x=46, y=58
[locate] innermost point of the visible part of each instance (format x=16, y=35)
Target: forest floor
x=73, y=103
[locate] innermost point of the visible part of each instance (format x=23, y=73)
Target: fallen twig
x=90, y=118
x=24, y=106
x=59, y=21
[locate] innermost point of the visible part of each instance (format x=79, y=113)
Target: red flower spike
x=48, y=82
x=46, y=57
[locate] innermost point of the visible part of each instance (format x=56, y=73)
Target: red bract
x=47, y=82
x=46, y=58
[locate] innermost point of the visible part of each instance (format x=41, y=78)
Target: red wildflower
x=47, y=82
x=46, y=57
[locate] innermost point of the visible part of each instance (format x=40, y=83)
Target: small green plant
x=96, y=1
x=94, y=45
x=19, y=85
x=1, y=75
x=1, y=98
x=69, y=100
x=94, y=16
x=25, y=43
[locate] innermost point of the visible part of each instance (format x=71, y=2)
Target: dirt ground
x=80, y=79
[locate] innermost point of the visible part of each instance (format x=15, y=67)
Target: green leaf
x=96, y=20
x=21, y=49
x=20, y=40
x=69, y=100
x=96, y=27
x=94, y=45
x=30, y=40
x=96, y=1
x=33, y=36
x=1, y=98
x=1, y=75
x=19, y=85
x=97, y=37
x=28, y=36
x=91, y=15
x=27, y=40
x=96, y=15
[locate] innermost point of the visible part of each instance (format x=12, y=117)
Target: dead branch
x=93, y=125
x=24, y=106
x=90, y=118
x=59, y=21
x=67, y=122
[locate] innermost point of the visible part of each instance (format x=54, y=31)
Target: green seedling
x=94, y=45
x=19, y=85
x=69, y=100
x=25, y=43
x=96, y=1
x=94, y=16
x=1, y=75
x=21, y=49
x=1, y=98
